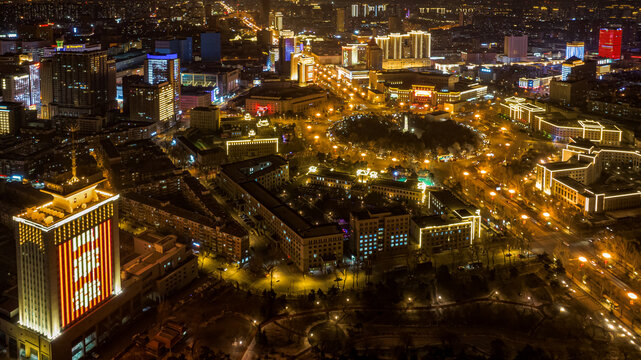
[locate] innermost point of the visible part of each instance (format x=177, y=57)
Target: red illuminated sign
x=86, y=276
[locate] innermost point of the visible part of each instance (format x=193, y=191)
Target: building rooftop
x=379, y=212
x=251, y=169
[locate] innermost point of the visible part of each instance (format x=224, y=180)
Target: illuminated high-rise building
x=576, y=49
x=610, y=43
x=396, y=45
x=164, y=68
x=153, y=103
x=420, y=42
x=305, y=70
x=68, y=256
x=383, y=42
x=11, y=115
x=80, y=83
x=15, y=87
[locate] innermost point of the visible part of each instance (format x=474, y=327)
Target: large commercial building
x=576, y=49
x=375, y=232
x=515, y=47
x=610, y=43
x=576, y=179
x=81, y=83
x=250, y=148
x=68, y=267
x=424, y=87
x=151, y=102
x=253, y=182
x=271, y=100
x=180, y=46
x=519, y=110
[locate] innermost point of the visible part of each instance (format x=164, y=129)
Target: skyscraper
x=383, y=42
x=575, y=48
x=80, y=84
x=210, y=47
x=164, y=68
x=68, y=255
x=610, y=43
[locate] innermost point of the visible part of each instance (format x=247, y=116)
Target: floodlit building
x=453, y=225
x=251, y=148
x=576, y=179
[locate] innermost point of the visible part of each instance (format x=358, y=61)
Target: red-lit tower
x=610, y=43
x=68, y=255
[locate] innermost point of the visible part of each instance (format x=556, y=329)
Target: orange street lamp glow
x=524, y=217
x=309, y=127
x=492, y=194
x=426, y=161
x=583, y=259
x=335, y=147
x=632, y=296
x=546, y=214
x=483, y=172
x=394, y=159
x=511, y=191
x=465, y=173
x=316, y=137
x=363, y=154
x=606, y=255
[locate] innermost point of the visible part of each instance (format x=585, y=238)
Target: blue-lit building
x=576, y=49
x=161, y=68
x=378, y=231
x=210, y=47
x=183, y=47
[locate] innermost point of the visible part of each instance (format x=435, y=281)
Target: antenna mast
x=73, y=127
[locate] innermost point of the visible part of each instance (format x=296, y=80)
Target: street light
x=606, y=255
x=524, y=217
x=492, y=194
x=546, y=215
x=483, y=172
x=632, y=296
x=465, y=173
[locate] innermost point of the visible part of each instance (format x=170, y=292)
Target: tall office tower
x=80, y=84
x=515, y=47
x=394, y=24
x=164, y=68
x=610, y=43
x=46, y=88
x=68, y=257
x=151, y=102
x=373, y=56
x=265, y=8
x=210, y=47
x=181, y=46
x=384, y=43
x=286, y=49
x=278, y=21
x=354, y=10
x=396, y=46
x=575, y=48
x=421, y=44
x=341, y=20
x=11, y=117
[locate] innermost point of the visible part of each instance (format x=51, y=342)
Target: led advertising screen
x=86, y=276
